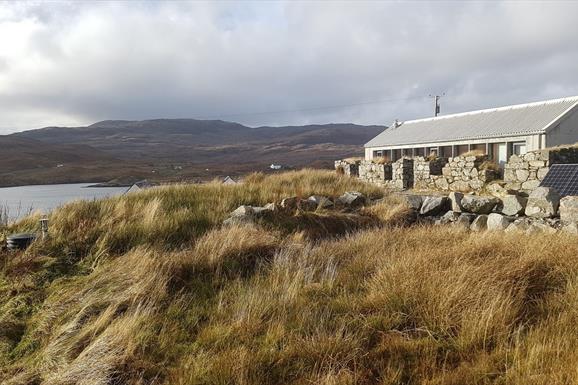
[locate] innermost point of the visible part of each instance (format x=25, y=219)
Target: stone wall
x=377, y=173
x=402, y=173
x=397, y=175
x=425, y=170
x=457, y=174
x=347, y=167
x=525, y=172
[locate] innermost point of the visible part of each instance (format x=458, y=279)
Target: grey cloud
x=76, y=63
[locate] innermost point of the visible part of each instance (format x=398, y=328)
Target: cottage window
x=519, y=148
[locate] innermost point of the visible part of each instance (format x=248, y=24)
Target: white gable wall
x=565, y=132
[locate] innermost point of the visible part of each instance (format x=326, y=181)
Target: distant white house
x=276, y=167
x=497, y=132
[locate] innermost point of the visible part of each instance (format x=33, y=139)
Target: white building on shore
x=497, y=132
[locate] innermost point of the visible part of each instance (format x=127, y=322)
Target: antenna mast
x=437, y=103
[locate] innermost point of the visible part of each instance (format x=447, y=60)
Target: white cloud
x=76, y=63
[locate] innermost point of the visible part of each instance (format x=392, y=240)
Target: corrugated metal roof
x=522, y=119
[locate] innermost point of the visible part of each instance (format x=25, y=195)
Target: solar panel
x=563, y=178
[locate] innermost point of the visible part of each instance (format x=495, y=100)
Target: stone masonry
x=347, y=167
x=525, y=172
x=377, y=173
x=457, y=174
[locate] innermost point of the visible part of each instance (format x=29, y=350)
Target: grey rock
x=530, y=184
x=480, y=223
x=243, y=211
x=449, y=217
x=518, y=226
x=352, y=199
x=433, y=205
x=542, y=203
x=465, y=220
x=456, y=201
x=413, y=201
x=497, y=222
x=271, y=207
x=522, y=175
x=540, y=227
x=478, y=205
x=321, y=201
x=513, y=205
x=569, y=209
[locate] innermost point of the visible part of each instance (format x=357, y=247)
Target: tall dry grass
x=260, y=304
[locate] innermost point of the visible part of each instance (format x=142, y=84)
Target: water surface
x=20, y=201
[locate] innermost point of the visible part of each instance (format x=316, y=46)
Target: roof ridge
x=494, y=109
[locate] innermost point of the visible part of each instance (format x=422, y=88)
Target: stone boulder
x=569, y=209
x=413, y=201
x=321, y=201
x=243, y=211
x=480, y=223
x=465, y=220
x=519, y=225
x=352, y=199
x=542, y=203
x=497, y=222
x=513, y=205
x=449, y=217
x=478, y=205
x=433, y=205
x=456, y=201
x=540, y=227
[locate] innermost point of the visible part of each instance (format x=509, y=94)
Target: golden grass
x=473, y=153
x=262, y=304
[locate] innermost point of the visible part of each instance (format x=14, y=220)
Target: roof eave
x=515, y=134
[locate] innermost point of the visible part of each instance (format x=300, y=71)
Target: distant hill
x=174, y=149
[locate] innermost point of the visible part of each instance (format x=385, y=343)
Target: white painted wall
x=565, y=132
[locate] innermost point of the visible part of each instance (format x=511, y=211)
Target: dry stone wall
x=347, y=167
x=460, y=173
x=377, y=173
x=525, y=172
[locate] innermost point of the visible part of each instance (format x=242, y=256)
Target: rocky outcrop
x=543, y=203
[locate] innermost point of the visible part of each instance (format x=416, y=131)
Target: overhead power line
x=312, y=108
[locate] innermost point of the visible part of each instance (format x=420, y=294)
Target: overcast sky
x=278, y=63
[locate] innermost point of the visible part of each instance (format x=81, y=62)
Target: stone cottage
x=497, y=132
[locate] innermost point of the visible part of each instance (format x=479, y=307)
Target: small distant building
x=497, y=132
x=229, y=180
x=276, y=167
x=140, y=185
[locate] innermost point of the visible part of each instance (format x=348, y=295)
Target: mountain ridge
x=182, y=149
